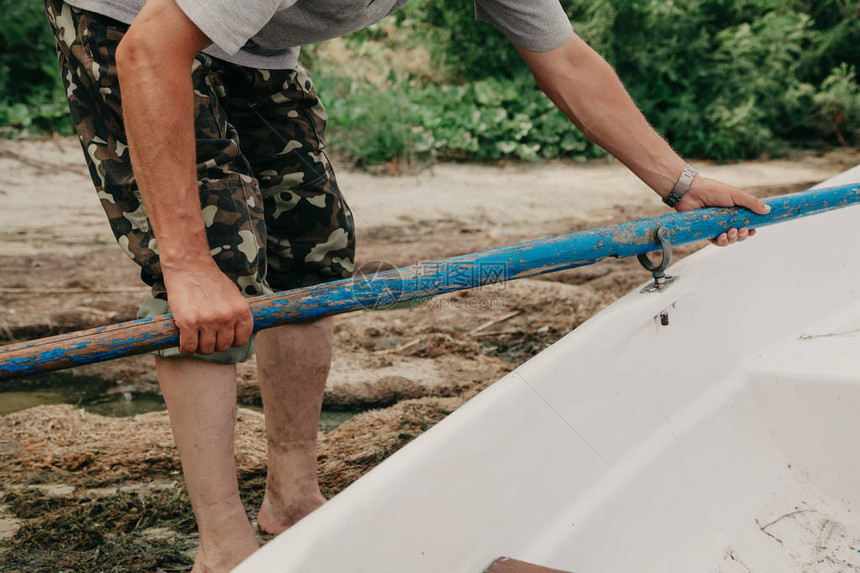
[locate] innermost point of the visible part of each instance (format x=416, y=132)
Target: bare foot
x=225, y=563
x=277, y=519
x=198, y=562
x=226, y=537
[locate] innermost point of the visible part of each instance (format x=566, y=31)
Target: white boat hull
x=725, y=441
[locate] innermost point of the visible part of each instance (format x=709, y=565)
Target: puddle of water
x=104, y=397
x=93, y=394
x=329, y=419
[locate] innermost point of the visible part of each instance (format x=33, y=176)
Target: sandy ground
x=60, y=270
x=49, y=204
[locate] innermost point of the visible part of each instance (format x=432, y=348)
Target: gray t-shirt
x=268, y=33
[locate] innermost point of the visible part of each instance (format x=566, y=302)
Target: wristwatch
x=682, y=185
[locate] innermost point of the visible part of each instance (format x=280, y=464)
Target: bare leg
x=293, y=363
x=201, y=401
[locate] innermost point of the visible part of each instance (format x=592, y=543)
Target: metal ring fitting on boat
x=661, y=237
x=661, y=280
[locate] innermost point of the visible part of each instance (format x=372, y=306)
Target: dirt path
x=50, y=207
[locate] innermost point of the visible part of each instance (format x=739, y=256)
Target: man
x=232, y=188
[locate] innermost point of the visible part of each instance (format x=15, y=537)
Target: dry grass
x=112, y=528
x=65, y=439
x=70, y=445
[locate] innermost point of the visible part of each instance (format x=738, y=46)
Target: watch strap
x=682, y=185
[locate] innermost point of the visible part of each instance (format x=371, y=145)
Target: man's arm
x=154, y=68
x=585, y=87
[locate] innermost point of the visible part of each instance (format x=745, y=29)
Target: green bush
x=471, y=49
x=837, y=106
x=721, y=79
x=488, y=119
x=31, y=94
x=728, y=79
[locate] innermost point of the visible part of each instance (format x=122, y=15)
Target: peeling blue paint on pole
x=424, y=280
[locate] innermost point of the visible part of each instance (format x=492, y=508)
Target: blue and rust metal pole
x=423, y=280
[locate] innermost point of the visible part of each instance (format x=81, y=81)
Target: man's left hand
x=706, y=192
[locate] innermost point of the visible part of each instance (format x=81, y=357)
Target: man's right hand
x=154, y=62
x=209, y=310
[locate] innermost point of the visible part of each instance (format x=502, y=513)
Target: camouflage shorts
x=275, y=217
